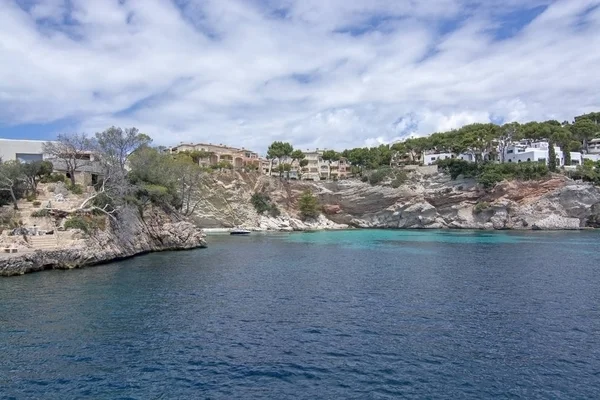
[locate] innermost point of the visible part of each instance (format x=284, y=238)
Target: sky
x=317, y=73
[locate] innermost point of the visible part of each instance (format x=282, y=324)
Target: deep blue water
x=331, y=315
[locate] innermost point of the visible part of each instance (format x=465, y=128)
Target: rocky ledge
x=155, y=232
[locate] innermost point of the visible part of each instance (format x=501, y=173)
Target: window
x=509, y=160
x=432, y=158
x=529, y=160
x=521, y=150
x=27, y=158
x=510, y=151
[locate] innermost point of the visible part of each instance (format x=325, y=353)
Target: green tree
x=117, y=144
x=303, y=163
x=308, y=205
x=12, y=180
x=297, y=155
x=278, y=150
x=34, y=171
x=72, y=151
x=330, y=156
x=551, y=157
x=585, y=129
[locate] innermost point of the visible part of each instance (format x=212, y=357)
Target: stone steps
x=43, y=242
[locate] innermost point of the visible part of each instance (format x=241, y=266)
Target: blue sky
x=318, y=73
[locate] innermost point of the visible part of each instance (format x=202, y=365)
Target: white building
x=317, y=168
x=594, y=146
x=526, y=151
x=26, y=151
x=430, y=159
x=22, y=150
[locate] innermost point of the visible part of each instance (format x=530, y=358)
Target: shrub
x=30, y=197
x=261, y=202
x=274, y=211
x=456, y=167
x=400, y=177
x=87, y=224
x=75, y=189
x=308, y=205
x=44, y=212
x=53, y=178
x=37, y=203
x=364, y=178
x=379, y=175
x=481, y=206
x=77, y=223
x=51, y=188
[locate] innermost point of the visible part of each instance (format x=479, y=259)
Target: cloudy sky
x=317, y=73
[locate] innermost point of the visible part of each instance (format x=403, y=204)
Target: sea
x=365, y=314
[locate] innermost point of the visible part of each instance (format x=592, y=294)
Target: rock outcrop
x=423, y=202
x=133, y=235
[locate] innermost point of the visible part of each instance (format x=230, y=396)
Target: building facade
x=316, y=169
x=538, y=151
x=524, y=151
x=88, y=172
x=237, y=157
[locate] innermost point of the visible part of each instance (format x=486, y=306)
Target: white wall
x=10, y=148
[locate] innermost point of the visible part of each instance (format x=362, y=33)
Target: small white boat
x=239, y=231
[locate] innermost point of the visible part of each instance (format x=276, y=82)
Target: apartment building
x=237, y=157
x=316, y=169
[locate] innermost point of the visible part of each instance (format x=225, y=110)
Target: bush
x=261, y=202
x=156, y=193
x=53, y=178
x=481, y=206
x=379, y=175
x=456, y=167
x=87, y=224
x=308, y=205
x=30, y=197
x=41, y=213
x=274, y=211
x=364, y=178
x=75, y=189
x=400, y=177
x=37, y=203
x=77, y=223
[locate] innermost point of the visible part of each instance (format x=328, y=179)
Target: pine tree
x=551, y=157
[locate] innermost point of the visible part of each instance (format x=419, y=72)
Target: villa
x=27, y=151
x=523, y=151
x=537, y=151
x=237, y=157
x=317, y=168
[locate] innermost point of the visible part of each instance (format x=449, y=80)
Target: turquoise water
x=341, y=315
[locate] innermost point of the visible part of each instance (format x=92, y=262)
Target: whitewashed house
x=526, y=151
x=432, y=158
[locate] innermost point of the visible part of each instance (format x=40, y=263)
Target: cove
x=372, y=314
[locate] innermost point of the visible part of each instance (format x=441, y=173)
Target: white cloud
x=249, y=72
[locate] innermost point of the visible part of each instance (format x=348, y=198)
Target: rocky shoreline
x=156, y=232
x=437, y=202
x=423, y=202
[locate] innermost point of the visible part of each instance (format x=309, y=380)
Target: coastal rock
x=429, y=202
x=554, y=222
x=156, y=231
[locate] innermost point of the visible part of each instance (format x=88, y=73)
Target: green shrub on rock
x=308, y=205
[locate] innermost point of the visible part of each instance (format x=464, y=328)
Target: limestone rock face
x=423, y=202
x=156, y=231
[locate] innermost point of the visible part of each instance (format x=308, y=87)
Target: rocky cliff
x=421, y=202
x=129, y=236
